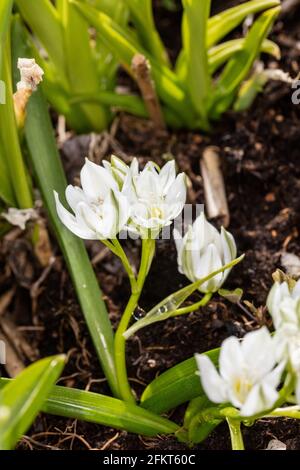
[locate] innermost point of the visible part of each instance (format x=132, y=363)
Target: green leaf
x=239, y=66
x=6, y=189
x=167, y=307
x=42, y=18
x=124, y=48
x=175, y=386
x=221, y=24
x=104, y=410
x=5, y=11
x=233, y=296
x=249, y=91
x=195, y=47
x=22, y=398
x=198, y=427
x=11, y=154
x=49, y=174
x=142, y=16
x=220, y=54
x=81, y=66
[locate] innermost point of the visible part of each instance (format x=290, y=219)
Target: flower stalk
x=120, y=341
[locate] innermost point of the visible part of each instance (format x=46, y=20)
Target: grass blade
x=175, y=386
x=104, y=410
x=194, y=43
x=220, y=25
x=21, y=399
x=239, y=66
x=50, y=176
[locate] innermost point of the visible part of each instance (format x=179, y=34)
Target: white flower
x=118, y=169
x=284, y=306
x=247, y=378
x=157, y=196
x=100, y=210
x=203, y=250
x=31, y=74
x=282, y=302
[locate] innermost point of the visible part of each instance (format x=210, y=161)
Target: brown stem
x=142, y=72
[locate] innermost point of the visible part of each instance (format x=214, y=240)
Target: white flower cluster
x=250, y=371
x=116, y=196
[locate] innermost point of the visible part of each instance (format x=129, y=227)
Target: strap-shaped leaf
x=239, y=66
x=44, y=20
x=21, y=399
x=220, y=25
x=142, y=16
x=11, y=154
x=175, y=386
x=49, y=174
x=5, y=11
x=81, y=66
x=195, y=47
x=101, y=409
x=220, y=54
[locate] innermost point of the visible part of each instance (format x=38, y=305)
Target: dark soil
x=260, y=151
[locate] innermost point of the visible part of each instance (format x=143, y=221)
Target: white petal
x=206, y=233
x=296, y=290
x=261, y=398
x=167, y=176
x=274, y=377
x=96, y=181
x=276, y=295
x=176, y=196
x=123, y=209
x=85, y=214
x=79, y=229
x=74, y=196
x=229, y=248
x=210, y=261
x=110, y=225
x=213, y=385
x=258, y=352
x=134, y=167
x=231, y=359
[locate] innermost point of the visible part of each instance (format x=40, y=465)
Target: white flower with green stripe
x=204, y=250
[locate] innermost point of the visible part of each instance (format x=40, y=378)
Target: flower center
x=156, y=212
x=242, y=387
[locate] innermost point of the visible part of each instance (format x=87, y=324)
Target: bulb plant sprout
x=210, y=69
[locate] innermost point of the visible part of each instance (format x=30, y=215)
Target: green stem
x=120, y=342
x=193, y=307
x=237, y=442
x=288, y=412
x=125, y=261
